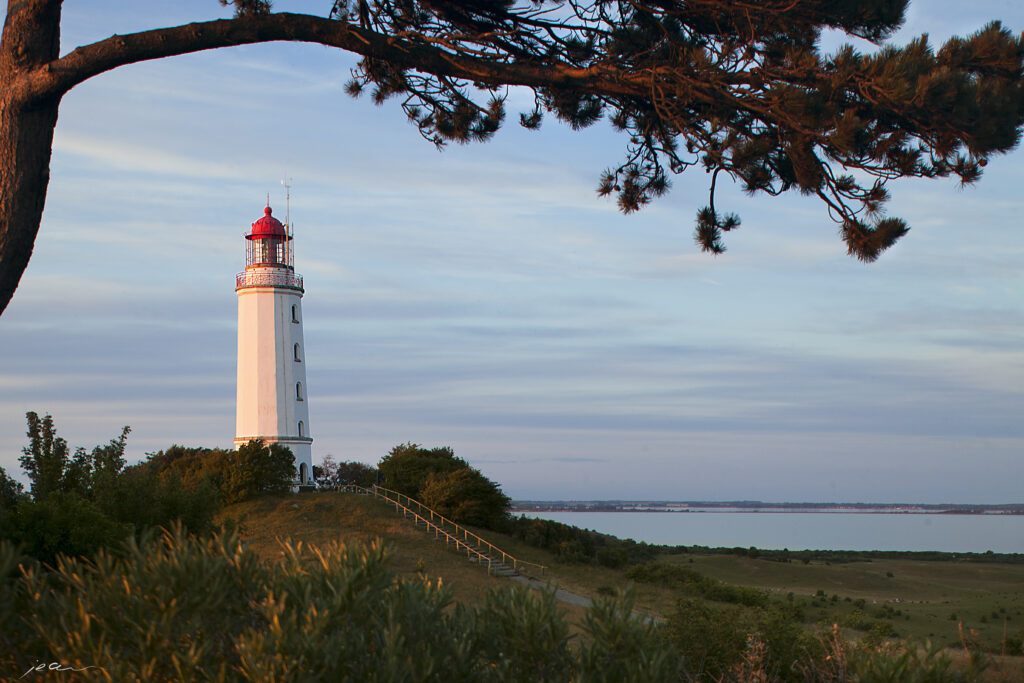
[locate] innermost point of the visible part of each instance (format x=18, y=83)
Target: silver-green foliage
x=179, y=607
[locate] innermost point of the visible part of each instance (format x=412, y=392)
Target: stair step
x=450, y=536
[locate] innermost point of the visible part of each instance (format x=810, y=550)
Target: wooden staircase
x=478, y=550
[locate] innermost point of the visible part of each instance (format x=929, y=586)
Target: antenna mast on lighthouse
x=288, y=217
x=288, y=206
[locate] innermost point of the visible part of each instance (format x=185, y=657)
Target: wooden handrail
x=394, y=497
x=470, y=550
x=505, y=557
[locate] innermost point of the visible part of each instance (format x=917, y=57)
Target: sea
x=944, y=532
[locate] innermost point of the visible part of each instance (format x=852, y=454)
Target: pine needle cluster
x=733, y=87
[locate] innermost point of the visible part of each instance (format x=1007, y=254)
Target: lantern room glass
x=268, y=251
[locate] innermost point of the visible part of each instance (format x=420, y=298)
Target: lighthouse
x=272, y=401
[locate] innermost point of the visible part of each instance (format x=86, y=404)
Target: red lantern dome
x=269, y=244
x=268, y=226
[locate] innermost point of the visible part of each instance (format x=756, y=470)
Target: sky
x=485, y=298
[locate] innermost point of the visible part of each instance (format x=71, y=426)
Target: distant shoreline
x=521, y=506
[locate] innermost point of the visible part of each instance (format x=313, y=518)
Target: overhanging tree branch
x=56, y=78
x=736, y=86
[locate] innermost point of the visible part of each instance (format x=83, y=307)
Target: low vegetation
x=178, y=607
x=175, y=569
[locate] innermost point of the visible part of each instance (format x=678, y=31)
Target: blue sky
x=485, y=298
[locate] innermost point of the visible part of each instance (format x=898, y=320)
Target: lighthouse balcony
x=275, y=278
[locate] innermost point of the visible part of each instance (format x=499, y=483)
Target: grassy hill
x=320, y=518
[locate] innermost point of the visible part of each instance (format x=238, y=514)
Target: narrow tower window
x=298, y=391
x=302, y=428
x=295, y=313
x=298, y=358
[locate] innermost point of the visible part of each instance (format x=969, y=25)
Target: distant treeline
x=748, y=505
x=572, y=544
x=842, y=556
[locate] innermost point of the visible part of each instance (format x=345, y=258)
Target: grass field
x=923, y=600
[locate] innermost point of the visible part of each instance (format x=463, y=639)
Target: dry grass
x=322, y=518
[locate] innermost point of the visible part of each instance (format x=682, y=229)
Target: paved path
x=574, y=599
x=560, y=595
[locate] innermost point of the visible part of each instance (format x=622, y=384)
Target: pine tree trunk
x=30, y=40
x=26, y=138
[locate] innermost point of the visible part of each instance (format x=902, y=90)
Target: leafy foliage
x=407, y=467
x=45, y=460
x=51, y=470
x=841, y=661
x=192, y=465
x=81, y=503
x=257, y=468
x=62, y=523
x=572, y=544
x=439, y=479
x=714, y=638
x=11, y=491
x=466, y=496
x=690, y=582
x=142, y=497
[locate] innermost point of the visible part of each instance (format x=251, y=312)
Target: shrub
x=691, y=582
x=467, y=497
x=143, y=498
x=176, y=607
x=407, y=467
x=715, y=640
x=88, y=500
x=908, y=663
x=446, y=483
x=330, y=473
x=257, y=468
x=572, y=544
x=63, y=523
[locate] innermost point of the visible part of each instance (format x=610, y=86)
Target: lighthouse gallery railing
x=265, y=279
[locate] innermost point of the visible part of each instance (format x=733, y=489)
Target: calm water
x=809, y=530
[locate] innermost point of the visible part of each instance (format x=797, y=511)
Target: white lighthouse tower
x=272, y=403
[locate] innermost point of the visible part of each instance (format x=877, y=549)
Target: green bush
x=330, y=473
x=572, y=544
x=714, y=639
x=467, y=497
x=193, y=465
x=445, y=483
x=257, y=468
x=691, y=582
x=143, y=498
x=63, y=523
x=82, y=502
x=407, y=467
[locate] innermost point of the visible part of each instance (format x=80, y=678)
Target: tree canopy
x=80, y=502
x=445, y=482
x=737, y=88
